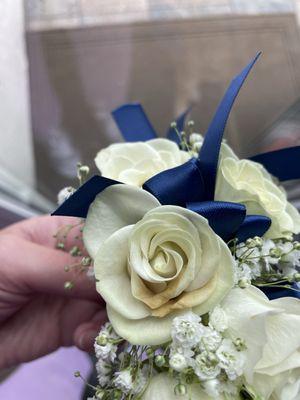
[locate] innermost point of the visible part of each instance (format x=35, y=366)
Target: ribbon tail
x=284, y=163
x=180, y=122
x=224, y=218
x=253, y=225
x=209, y=154
x=78, y=204
x=277, y=293
x=133, y=123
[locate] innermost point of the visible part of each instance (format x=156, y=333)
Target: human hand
x=37, y=314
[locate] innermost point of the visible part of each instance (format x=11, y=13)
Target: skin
x=37, y=314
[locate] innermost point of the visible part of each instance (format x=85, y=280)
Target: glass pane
x=88, y=57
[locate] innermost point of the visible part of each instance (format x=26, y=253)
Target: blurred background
x=65, y=64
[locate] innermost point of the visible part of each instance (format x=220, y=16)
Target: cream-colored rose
x=271, y=330
x=162, y=387
x=153, y=262
x=135, y=163
x=247, y=182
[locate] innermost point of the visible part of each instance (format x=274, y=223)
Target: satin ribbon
x=225, y=218
x=253, y=223
x=199, y=175
x=276, y=293
x=135, y=126
x=78, y=204
x=188, y=185
x=134, y=123
x=210, y=150
x=284, y=163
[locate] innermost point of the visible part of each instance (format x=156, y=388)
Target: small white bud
x=82, y=172
x=180, y=390
x=102, y=340
x=197, y=147
x=160, y=361
x=64, y=194
x=276, y=252
x=244, y=283
x=178, y=362
x=196, y=138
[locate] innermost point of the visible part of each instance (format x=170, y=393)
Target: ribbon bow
x=192, y=185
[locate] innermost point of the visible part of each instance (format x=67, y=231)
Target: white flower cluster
x=128, y=384
x=105, y=344
x=117, y=374
x=266, y=259
x=216, y=361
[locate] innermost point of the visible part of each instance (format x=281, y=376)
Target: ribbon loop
x=253, y=225
x=134, y=123
x=209, y=154
x=177, y=185
x=225, y=218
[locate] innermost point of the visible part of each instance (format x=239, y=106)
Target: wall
x=16, y=155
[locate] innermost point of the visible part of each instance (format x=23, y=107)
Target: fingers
x=28, y=267
x=41, y=326
x=85, y=334
x=41, y=230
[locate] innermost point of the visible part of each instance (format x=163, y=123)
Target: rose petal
x=247, y=310
x=292, y=362
x=202, y=234
x=111, y=272
x=113, y=167
x=283, y=340
x=112, y=209
x=224, y=282
x=197, y=298
x=162, y=144
x=150, y=331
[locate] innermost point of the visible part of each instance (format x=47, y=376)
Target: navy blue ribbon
x=284, y=163
x=277, y=293
x=78, y=204
x=135, y=126
x=225, y=218
x=195, y=180
x=134, y=123
x=210, y=150
x=187, y=185
x=253, y=223
x=178, y=185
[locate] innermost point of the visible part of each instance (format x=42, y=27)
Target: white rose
x=162, y=386
x=153, y=262
x=271, y=330
x=247, y=182
x=135, y=163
